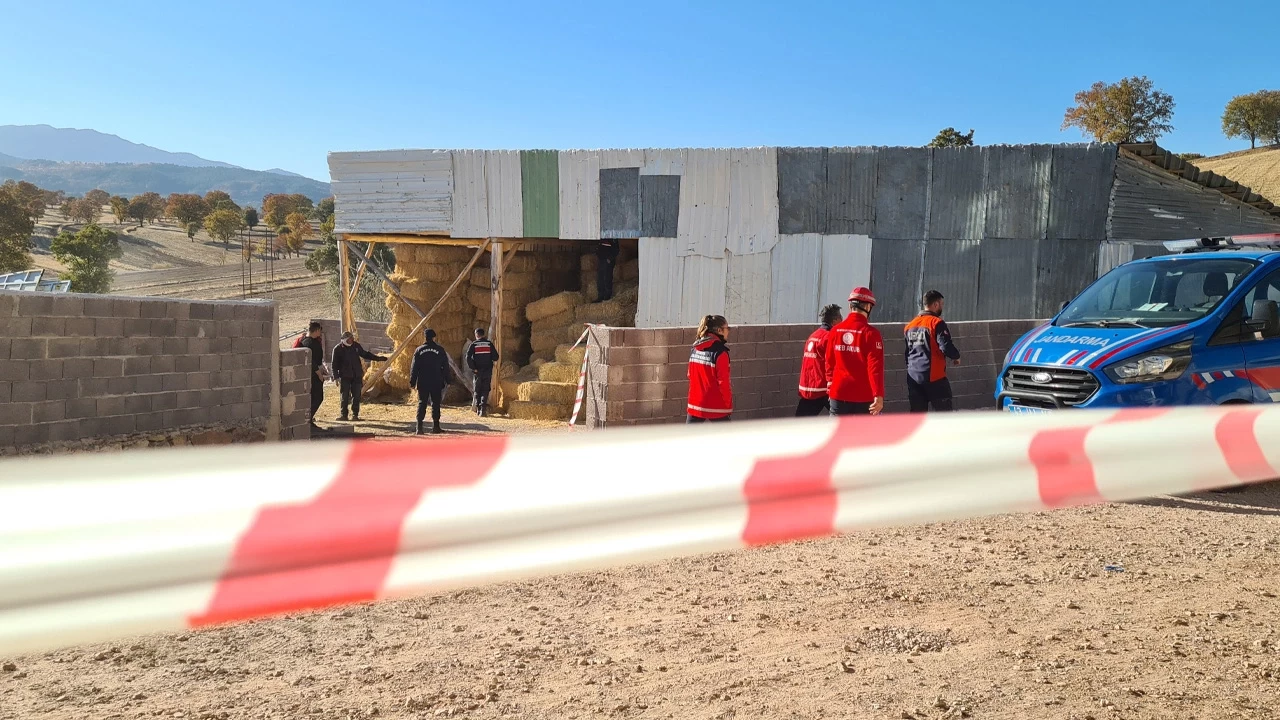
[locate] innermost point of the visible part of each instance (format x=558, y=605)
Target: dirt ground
x=1159, y=609
x=395, y=419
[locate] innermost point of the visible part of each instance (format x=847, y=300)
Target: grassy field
x=1259, y=169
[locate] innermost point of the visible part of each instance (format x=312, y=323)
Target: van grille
x=1070, y=386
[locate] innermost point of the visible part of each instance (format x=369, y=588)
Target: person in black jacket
x=315, y=344
x=349, y=372
x=482, y=356
x=430, y=375
x=606, y=257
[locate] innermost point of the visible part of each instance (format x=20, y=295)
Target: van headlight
x=1166, y=363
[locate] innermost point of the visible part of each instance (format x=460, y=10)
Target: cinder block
x=98, y=307
x=163, y=400
x=149, y=422
x=219, y=345
x=179, y=310
x=176, y=346
x=224, y=311
x=30, y=391
x=110, y=406
x=136, y=404
x=93, y=387
x=77, y=367
x=199, y=380
x=137, y=365
x=164, y=327
x=108, y=367
x=46, y=370
x=126, y=308
x=29, y=349
x=108, y=327
x=6, y=392
x=187, y=363
x=15, y=327
x=32, y=434
x=137, y=327
x=15, y=371
x=63, y=347
x=154, y=308
x=35, y=304
x=161, y=364
x=49, y=411
x=8, y=304
x=121, y=386
x=68, y=305
x=48, y=327
x=59, y=389
x=200, y=311
x=191, y=416
x=201, y=346
x=15, y=413
x=174, y=382
x=210, y=363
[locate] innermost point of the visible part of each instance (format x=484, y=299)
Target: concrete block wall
x=295, y=394
x=372, y=335
x=638, y=376
x=76, y=367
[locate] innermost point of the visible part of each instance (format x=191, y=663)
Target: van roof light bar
x=1261, y=240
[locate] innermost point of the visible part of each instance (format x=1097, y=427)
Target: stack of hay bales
x=626, y=271
x=551, y=320
x=520, y=286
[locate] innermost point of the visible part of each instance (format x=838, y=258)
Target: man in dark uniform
x=482, y=356
x=430, y=375
x=606, y=258
x=349, y=371
x=315, y=344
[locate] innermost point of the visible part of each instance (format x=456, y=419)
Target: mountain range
x=77, y=161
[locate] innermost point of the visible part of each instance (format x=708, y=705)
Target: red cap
x=862, y=295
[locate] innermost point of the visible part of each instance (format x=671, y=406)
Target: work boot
x=435, y=428
x=355, y=417
x=419, y=428
x=484, y=411
x=342, y=417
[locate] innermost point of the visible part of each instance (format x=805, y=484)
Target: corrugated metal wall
x=392, y=191
x=540, y=192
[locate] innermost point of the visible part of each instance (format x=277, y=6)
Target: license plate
x=1024, y=410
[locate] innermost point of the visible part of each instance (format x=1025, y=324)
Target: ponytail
x=710, y=324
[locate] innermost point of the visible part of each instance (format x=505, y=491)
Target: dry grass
x=1259, y=169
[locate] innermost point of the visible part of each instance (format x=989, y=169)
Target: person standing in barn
x=315, y=344
x=710, y=392
x=855, y=360
x=349, y=372
x=606, y=259
x=482, y=356
x=813, y=367
x=430, y=375
x=929, y=346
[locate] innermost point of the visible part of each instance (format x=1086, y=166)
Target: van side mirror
x=1265, y=317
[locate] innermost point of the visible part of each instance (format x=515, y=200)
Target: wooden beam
x=347, y=321
x=497, y=265
x=416, y=239
x=364, y=263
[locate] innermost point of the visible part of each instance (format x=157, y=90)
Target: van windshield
x=1159, y=293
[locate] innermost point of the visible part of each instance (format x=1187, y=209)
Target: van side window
x=1233, y=329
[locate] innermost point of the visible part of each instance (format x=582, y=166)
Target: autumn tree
x=1131, y=110
x=82, y=210
x=139, y=209
x=220, y=200
x=120, y=208
x=29, y=196
x=1255, y=116
x=155, y=206
x=16, y=226
x=223, y=225
x=300, y=231
x=192, y=229
x=950, y=137
x=87, y=255
x=98, y=197
x=277, y=208
x=187, y=208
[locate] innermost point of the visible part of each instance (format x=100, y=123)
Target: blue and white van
x=1199, y=327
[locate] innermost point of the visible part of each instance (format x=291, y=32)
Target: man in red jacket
x=855, y=360
x=813, y=368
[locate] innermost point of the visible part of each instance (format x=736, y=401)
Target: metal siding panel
x=851, y=191
x=748, y=292
x=506, y=202
x=703, y=290
x=1063, y=269
x=404, y=190
x=704, y=204
x=540, y=193
x=580, y=194
x=1006, y=279
x=664, y=162
x=470, y=195
x=846, y=264
x=1018, y=191
x=802, y=190
x=753, y=200
x=1080, y=191
x=620, y=203
x=951, y=268
x=1150, y=204
x=797, y=268
x=1112, y=255
x=659, y=205
x=614, y=159
x=902, y=192
x=661, y=283
x=895, y=278
x=957, y=195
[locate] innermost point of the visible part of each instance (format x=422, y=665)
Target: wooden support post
x=364, y=264
x=344, y=281
x=497, y=264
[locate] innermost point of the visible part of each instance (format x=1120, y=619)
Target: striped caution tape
x=582, y=378
x=94, y=547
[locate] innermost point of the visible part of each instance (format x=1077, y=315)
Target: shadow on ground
x=1257, y=499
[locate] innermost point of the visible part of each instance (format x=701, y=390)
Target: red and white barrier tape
x=94, y=547
x=582, y=377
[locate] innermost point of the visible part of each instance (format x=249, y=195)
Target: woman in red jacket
x=710, y=395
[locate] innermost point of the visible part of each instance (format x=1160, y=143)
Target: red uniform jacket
x=855, y=361
x=710, y=396
x=813, y=368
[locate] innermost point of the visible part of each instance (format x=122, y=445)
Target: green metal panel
x=540, y=189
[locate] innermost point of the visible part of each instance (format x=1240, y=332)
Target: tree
x=1124, y=112
x=16, y=226
x=223, y=225
x=98, y=197
x=250, y=217
x=300, y=232
x=276, y=208
x=192, y=229
x=29, y=196
x=950, y=137
x=82, y=210
x=87, y=255
x=1255, y=116
x=187, y=209
x=324, y=209
x=119, y=208
x=220, y=200
x=139, y=209
x=1190, y=156
x=155, y=206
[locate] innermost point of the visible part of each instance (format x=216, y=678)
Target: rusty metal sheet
x=1018, y=191
x=797, y=269
x=659, y=205
x=620, y=203
x=1080, y=191
x=902, y=193
x=957, y=196
x=851, y=191
x=1006, y=279
x=1063, y=269
x=753, y=200
x=895, y=278
x=802, y=190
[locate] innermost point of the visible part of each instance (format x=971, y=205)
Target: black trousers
x=433, y=397
x=691, y=420
x=849, y=408
x=317, y=395
x=925, y=396
x=481, y=383
x=352, y=388
x=812, y=408
x=604, y=278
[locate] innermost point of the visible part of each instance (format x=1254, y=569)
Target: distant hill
x=1259, y=169
x=286, y=173
x=244, y=186
x=43, y=142
x=9, y=160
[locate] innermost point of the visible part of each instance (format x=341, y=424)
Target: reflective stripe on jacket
x=813, y=368
x=710, y=392
x=928, y=347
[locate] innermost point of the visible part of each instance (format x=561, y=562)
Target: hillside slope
x=1259, y=169
x=244, y=186
x=43, y=142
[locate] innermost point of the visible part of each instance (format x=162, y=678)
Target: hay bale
x=588, y=263
x=544, y=356
x=559, y=262
x=630, y=270
x=538, y=411
x=544, y=341
x=555, y=322
x=523, y=262
x=429, y=254
x=627, y=295
x=547, y=392
x=571, y=356
x=481, y=277
x=430, y=272
x=554, y=305
x=609, y=312
x=559, y=372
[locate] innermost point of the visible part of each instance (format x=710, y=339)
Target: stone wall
x=638, y=376
x=89, y=367
x=295, y=394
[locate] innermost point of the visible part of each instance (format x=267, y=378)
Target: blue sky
x=279, y=84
